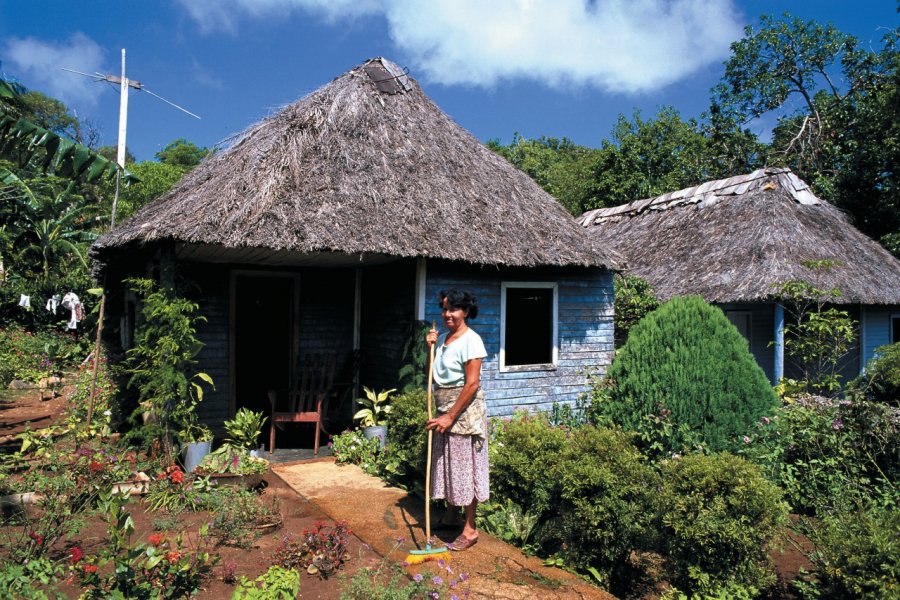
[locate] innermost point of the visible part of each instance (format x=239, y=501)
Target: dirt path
x=381, y=515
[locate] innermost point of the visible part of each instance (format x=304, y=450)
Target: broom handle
x=428, y=460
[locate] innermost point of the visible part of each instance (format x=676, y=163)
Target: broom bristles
x=418, y=559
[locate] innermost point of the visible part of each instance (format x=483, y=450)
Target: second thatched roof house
x=733, y=240
x=331, y=226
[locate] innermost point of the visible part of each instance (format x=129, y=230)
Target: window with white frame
x=528, y=326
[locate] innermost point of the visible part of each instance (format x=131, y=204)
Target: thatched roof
x=365, y=165
x=731, y=240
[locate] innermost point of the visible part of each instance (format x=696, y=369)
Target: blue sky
x=563, y=68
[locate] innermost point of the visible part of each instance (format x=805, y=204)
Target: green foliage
x=828, y=455
x=406, y=442
x=230, y=459
x=244, y=429
x=413, y=375
x=509, y=522
x=239, y=515
x=376, y=407
x=18, y=580
x=162, y=568
x=182, y=153
x=564, y=169
x=881, y=380
x=855, y=554
x=32, y=356
x=162, y=363
x=717, y=515
x=605, y=500
x=51, y=223
x=687, y=362
x=277, y=583
x=634, y=299
x=523, y=455
x=155, y=179
x=836, y=104
x=818, y=337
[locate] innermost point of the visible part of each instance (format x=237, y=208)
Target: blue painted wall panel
x=877, y=325
x=585, y=327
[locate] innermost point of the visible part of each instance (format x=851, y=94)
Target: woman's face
x=453, y=317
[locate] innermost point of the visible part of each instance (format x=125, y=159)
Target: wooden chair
x=307, y=399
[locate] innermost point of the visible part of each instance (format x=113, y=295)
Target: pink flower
x=746, y=439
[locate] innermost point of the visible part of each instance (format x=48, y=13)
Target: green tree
x=564, y=169
x=153, y=180
x=182, y=153
x=646, y=158
x=686, y=363
x=51, y=224
x=836, y=105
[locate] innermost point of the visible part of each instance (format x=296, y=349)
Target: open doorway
x=263, y=338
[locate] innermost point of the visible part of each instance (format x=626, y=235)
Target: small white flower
x=108, y=413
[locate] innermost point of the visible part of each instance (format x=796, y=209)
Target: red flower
x=76, y=554
x=38, y=538
x=95, y=466
x=173, y=556
x=177, y=477
x=90, y=568
x=160, y=476
x=156, y=539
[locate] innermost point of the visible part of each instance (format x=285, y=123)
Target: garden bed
x=297, y=514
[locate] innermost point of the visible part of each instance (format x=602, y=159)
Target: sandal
x=462, y=543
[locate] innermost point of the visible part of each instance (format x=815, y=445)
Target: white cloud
x=615, y=45
x=38, y=65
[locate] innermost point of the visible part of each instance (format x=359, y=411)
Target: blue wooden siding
x=877, y=327
x=762, y=323
x=585, y=325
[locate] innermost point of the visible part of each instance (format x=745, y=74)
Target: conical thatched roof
x=732, y=240
x=368, y=165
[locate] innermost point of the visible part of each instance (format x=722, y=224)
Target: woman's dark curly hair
x=459, y=299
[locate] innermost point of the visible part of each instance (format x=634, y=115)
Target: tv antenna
x=124, y=83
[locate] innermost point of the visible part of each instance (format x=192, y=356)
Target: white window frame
x=743, y=313
x=554, y=335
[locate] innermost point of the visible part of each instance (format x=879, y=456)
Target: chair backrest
x=313, y=380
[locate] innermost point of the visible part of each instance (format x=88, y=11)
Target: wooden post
x=778, y=371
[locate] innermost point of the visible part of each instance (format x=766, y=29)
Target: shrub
x=523, y=454
x=321, y=550
x=717, y=514
x=856, y=554
x=826, y=454
x=687, y=361
x=881, y=380
x=407, y=437
x=605, y=500
x=31, y=356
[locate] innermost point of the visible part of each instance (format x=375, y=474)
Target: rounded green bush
x=606, y=501
x=687, y=363
x=523, y=455
x=717, y=514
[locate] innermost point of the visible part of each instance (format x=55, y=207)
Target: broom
x=416, y=557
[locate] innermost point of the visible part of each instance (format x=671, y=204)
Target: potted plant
x=243, y=430
x=373, y=416
x=196, y=442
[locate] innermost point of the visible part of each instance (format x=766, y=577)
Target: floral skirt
x=459, y=471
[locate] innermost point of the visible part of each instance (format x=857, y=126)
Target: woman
x=460, y=460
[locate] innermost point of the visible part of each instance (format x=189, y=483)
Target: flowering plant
x=320, y=550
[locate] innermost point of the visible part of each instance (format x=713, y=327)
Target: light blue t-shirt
x=450, y=361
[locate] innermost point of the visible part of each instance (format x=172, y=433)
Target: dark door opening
x=263, y=340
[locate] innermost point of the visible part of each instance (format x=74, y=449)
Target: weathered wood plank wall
x=585, y=325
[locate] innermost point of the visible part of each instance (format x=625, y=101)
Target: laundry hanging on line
x=53, y=303
x=71, y=302
x=24, y=301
